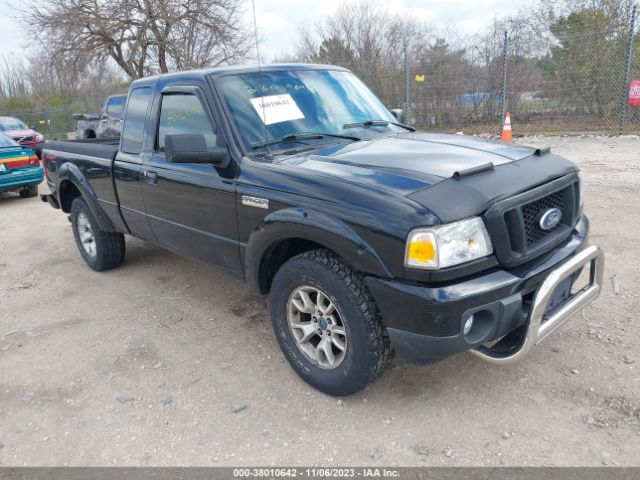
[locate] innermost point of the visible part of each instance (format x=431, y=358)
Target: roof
x=239, y=69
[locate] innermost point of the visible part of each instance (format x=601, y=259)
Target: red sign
x=634, y=94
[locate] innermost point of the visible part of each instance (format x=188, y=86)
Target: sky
x=278, y=20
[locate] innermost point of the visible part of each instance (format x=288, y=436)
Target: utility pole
x=407, y=102
x=504, y=78
x=627, y=69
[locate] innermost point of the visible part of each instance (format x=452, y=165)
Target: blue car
x=20, y=168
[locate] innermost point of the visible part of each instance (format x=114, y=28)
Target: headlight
x=447, y=245
x=39, y=138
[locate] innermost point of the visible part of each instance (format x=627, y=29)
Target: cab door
x=127, y=166
x=190, y=207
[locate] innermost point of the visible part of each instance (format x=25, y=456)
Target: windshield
x=6, y=141
x=271, y=105
x=7, y=124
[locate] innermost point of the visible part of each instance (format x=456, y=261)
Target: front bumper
x=425, y=324
x=16, y=178
x=540, y=324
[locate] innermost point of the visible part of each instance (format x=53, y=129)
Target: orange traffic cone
x=506, y=129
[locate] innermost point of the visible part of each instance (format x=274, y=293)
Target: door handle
x=152, y=177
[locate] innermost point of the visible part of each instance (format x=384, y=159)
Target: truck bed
x=92, y=147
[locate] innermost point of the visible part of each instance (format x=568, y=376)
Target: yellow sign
x=419, y=78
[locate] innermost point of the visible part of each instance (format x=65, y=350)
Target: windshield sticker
x=276, y=109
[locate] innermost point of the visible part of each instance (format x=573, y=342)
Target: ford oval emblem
x=550, y=219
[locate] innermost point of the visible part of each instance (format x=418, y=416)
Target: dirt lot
x=166, y=361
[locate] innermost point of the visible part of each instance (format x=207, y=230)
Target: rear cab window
x=134, y=120
x=115, y=106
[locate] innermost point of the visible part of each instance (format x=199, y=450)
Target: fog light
x=468, y=325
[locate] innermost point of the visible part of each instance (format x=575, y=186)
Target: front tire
x=100, y=250
x=327, y=324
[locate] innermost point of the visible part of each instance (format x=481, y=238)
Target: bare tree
x=369, y=41
x=14, y=80
x=39, y=78
x=141, y=36
x=446, y=74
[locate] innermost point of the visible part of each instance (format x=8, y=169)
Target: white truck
x=107, y=123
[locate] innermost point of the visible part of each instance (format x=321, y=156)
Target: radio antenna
x=255, y=32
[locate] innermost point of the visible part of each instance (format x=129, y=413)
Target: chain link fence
x=56, y=121
x=52, y=122
x=576, y=84
x=564, y=82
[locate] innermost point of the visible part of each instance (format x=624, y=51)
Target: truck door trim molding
x=79, y=156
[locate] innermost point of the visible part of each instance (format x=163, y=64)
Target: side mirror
x=398, y=113
x=192, y=148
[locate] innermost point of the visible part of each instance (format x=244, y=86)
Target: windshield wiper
x=294, y=137
x=377, y=123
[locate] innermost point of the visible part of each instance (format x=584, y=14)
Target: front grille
x=532, y=213
x=514, y=223
x=22, y=140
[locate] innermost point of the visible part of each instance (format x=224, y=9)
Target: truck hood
x=412, y=161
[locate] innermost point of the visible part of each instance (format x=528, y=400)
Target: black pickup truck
x=369, y=237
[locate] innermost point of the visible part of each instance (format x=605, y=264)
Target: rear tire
x=316, y=297
x=100, y=250
x=29, y=192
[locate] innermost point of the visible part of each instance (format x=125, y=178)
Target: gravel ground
x=166, y=361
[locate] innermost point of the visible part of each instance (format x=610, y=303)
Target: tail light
x=29, y=161
x=51, y=159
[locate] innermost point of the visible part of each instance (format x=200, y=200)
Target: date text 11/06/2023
x=315, y=472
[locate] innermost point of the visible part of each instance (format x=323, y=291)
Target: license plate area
x=565, y=291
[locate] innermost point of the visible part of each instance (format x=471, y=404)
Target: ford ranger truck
x=369, y=238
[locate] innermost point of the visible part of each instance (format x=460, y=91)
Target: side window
x=183, y=113
x=133, y=127
x=114, y=107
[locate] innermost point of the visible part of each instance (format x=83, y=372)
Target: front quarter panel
x=314, y=226
x=365, y=225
